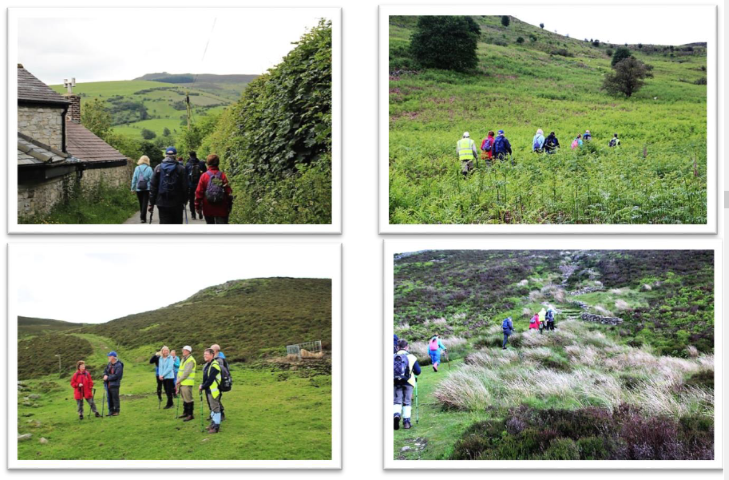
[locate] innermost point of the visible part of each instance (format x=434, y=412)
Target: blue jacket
x=114, y=373
x=440, y=345
x=145, y=170
x=166, y=366
x=538, y=142
x=501, y=145
x=509, y=326
x=177, y=363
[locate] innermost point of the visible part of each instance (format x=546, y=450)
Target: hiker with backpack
x=166, y=375
x=502, y=147
x=83, y=388
x=615, y=141
x=155, y=361
x=467, y=153
x=210, y=382
x=550, y=318
x=225, y=373
x=551, y=144
x=534, y=322
x=113, y=373
x=435, y=346
x=405, y=372
x=194, y=168
x=140, y=184
x=587, y=136
x=185, y=382
x=169, y=189
x=507, y=326
x=487, y=148
x=538, y=142
x=213, y=196
x=577, y=142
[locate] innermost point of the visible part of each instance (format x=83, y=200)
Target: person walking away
x=542, y=315
x=395, y=346
x=467, y=153
x=551, y=144
x=577, y=142
x=502, y=147
x=508, y=327
x=406, y=370
x=194, y=168
x=435, y=347
x=550, y=318
x=534, y=323
x=615, y=141
x=83, y=387
x=175, y=368
x=587, y=136
x=181, y=160
x=220, y=357
x=487, y=148
x=538, y=142
x=169, y=189
x=155, y=361
x=213, y=197
x=112, y=378
x=185, y=382
x=141, y=181
x=166, y=375
x=210, y=385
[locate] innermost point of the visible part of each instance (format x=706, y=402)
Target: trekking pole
x=417, y=405
x=93, y=394
x=81, y=392
x=202, y=413
x=103, y=401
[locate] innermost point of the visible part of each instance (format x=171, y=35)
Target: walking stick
x=103, y=401
x=93, y=394
x=177, y=410
x=202, y=413
x=417, y=405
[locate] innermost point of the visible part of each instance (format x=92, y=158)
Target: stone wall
x=113, y=177
x=38, y=199
x=44, y=124
x=589, y=317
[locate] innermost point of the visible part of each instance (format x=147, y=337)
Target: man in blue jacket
x=508, y=327
x=112, y=381
x=502, y=147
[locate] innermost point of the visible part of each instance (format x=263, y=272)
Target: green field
x=642, y=389
x=268, y=414
x=656, y=176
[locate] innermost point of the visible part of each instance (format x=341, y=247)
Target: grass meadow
x=657, y=176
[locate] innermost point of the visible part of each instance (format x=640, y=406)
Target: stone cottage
x=55, y=152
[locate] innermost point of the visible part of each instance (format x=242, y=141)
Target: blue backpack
x=402, y=368
x=169, y=181
x=550, y=315
x=499, y=144
x=506, y=325
x=537, y=145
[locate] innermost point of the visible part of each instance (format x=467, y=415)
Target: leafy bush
x=37, y=355
x=445, y=42
x=505, y=21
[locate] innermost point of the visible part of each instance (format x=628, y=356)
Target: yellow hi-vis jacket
x=190, y=380
x=214, y=365
x=465, y=149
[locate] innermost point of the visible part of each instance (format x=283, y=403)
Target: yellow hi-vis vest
x=214, y=387
x=190, y=380
x=465, y=149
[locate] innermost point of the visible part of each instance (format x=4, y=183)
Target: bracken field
x=548, y=81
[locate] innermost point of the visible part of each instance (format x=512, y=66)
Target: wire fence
x=304, y=350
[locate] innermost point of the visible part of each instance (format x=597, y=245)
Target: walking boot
x=80, y=417
x=190, y=414
x=222, y=416
x=97, y=414
x=185, y=411
x=215, y=428
x=406, y=424
x=397, y=422
x=169, y=405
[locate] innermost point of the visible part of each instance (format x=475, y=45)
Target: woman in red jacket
x=83, y=387
x=213, y=194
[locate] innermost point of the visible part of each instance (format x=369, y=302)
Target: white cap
x=465, y=135
x=188, y=348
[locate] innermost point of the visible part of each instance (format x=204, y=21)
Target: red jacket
x=209, y=210
x=534, y=323
x=88, y=384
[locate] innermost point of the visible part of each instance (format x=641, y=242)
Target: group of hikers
x=172, y=185
x=498, y=147
x=173, y=374
x=542, y=320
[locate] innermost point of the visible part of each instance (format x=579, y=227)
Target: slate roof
x=87, y=147
x=32, y=152
x=30, y=89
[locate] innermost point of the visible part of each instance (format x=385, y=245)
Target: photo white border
x=334, y=249
x=714, y=49
x=398, y=246
x=119, y=14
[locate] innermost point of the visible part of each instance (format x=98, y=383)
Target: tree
x=609, y=52
x=446, y=42
x=96, y=118
x=166, y=132
x=640, y=45
x=620, y=54
x=541, y=25
x=520, y=40
x=532, y=37
x=596, y=43
x=505, y=21
x=473, y=27
x=627, y=77
x=148, y=134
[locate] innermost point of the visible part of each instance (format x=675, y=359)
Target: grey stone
x=43, y=440
x=405, y=449
x=24, y=437
x=34, y=396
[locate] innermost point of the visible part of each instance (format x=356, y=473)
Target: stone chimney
x=74, y=110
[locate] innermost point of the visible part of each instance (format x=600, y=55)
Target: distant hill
x=196, y=77
x=32, y=326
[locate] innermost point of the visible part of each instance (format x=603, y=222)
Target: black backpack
x=226, y=381
x=142, y=180
x=195, y=175
x=402, y=368
x=168, y=182
x=550, y=315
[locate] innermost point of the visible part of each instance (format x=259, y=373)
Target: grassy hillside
x=28, y=326
x=640, y=389
x=159, y=104
x=548, y=81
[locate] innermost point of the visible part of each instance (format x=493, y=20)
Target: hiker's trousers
x=214, y=406
x=170, y=215
x=216, y=220
x=113, y=399
x=80, y=405
x=169, y=385
x=143, y=197
x=403, y=400
x=434, y=357
x=186, y=392
x=506, y=339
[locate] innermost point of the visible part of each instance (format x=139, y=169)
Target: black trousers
x=159, y=386
x=169, y=384
x=113, y=397
x=170, y=215
x=143, y=198
x=191, y=202
x=216, y=220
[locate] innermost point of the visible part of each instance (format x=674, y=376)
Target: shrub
x=627, y=78
x=620, y=54
x=148, y=134
x=445, y=42
x=562, y=449
x=541, y=25
x=520, y=40
x=505, y=21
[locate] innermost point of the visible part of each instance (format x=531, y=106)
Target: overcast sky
x=97, y=283
x=105, y=44
x=619, y=24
